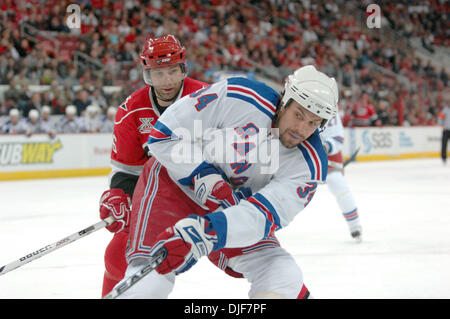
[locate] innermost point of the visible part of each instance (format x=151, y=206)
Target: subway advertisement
x=65, y=155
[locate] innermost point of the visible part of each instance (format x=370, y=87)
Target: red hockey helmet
x=162, y=52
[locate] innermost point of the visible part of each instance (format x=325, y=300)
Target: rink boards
x=68, y=155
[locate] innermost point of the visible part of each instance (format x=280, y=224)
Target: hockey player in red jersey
x=164, y=71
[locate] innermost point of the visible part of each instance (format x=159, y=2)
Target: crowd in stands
x=381, y=79
x=40, y=121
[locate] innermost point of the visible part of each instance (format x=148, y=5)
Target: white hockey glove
x=185, y=243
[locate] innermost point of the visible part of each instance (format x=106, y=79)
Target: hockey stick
x=338, y=165
x=130, y=281
x=52, y=247
x=352, y=158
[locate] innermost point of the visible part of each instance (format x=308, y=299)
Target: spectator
x=14, y=125
x=97, y=98
x=47, y=123
x=13, y=94
x=90, y=122
x=32, y=124
x=383, y=117
x=68, y=123
x=107, y=124
x=82, y=101
x=363, y=113
x=34, y=104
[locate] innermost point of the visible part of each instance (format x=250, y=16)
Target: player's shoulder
x=137, y=99
x=315, y=156
x=191, y=85
x=261, y=89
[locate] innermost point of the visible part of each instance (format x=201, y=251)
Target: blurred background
x=399, y=71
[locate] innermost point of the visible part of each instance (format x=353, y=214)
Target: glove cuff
x=192, y=230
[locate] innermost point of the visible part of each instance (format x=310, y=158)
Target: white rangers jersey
x=14, y=128
x=66, y=125
x=106, y=125
x=228, y=125
x=48, y=125
x=333, y=135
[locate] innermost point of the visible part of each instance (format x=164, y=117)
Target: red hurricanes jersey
x=135, y=118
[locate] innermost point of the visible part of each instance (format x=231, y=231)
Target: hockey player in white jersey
x=33, y=123
x=90, y=121
x=232, y=163
x=69, y=122
x=15, y=124
x=107, y=123
x=333, y=142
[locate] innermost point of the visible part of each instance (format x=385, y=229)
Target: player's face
x=296, y=124
x=14, y=119
x=167, y=81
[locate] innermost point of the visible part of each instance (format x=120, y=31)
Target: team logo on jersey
x=146, y=125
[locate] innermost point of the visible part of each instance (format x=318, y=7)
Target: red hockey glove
x=115, y=203
x=184, y=243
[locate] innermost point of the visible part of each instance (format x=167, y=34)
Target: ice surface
x=404, y=208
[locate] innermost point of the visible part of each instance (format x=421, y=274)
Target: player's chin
x=166, y=96
x=290, y=142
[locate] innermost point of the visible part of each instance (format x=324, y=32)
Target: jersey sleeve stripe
x=315, y=157
x=252, y=93
x=312, y=164
x=138, y=249
x=187, y=181
x=265, y=207
x=159, y=132
x=339, y=139
x=262, y=90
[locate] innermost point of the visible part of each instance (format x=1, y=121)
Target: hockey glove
x=184, y=243
x=115, y=203
x=213, y=191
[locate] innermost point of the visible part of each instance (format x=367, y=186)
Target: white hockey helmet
x=313, y=90
x=33, y=114
x=14, y=113
x=46, y=109
x=71, y=110
x=111, y=111
x=93, y=109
